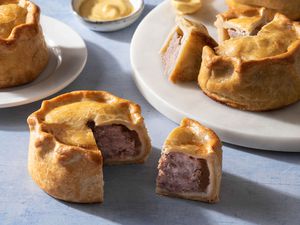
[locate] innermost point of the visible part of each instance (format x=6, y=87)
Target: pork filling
x=116, y=141
x=233, y=32
x=171, y=54
x=179, y=172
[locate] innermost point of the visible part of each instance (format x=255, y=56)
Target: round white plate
x=277, y=130
x=68, y=56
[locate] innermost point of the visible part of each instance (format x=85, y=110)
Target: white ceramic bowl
x=110, y=25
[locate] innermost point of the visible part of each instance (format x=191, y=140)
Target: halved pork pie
x=73, y=134
x=181, y=53
x=190, y=166
x=255, y=73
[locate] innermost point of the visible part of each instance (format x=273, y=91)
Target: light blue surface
x=257, y=188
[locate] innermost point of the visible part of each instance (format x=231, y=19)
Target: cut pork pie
x=181, y=53
x=258, y=72
x=73, y=135
x=190, y=166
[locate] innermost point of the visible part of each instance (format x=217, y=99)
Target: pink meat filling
x=170, y=56
x=179, y=172
x=234, y=33
x=116, y=141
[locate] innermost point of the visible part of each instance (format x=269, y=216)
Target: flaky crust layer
x=25, y=53
x=73, y=172
x=194, y=139
x=260, y=15
x=290, y=8
x=188, y=60
x=256, y=85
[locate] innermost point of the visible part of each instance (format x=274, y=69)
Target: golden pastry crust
x=25, y=53
x=260, y=78
x=290, y=8
x=244, y=21
x=64, y=160
x=181, y=53
x=193, y=139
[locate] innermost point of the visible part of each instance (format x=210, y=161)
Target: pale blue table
x=257, y=188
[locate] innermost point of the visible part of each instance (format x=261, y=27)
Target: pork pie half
x=24, y=53
x=190, y=166
x=73, y=134
x=181, y=53
x=255, y=73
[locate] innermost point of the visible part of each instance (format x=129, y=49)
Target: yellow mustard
x=186, y=6
x=103, y=10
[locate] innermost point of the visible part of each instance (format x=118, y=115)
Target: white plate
x=68, y=56
x=277, y=130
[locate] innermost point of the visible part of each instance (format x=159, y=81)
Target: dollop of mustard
x=104, y=10
x=186, y=6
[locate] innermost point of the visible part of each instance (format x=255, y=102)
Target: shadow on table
x=14, y=118
x=125, y=35
x=289, y=157
x=130, y=199
x=254, y=202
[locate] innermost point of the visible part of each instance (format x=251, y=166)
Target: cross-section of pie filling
x=191, y=163
x=181, y=173
x=80, y=124
x=73, y=134
x=116, y=141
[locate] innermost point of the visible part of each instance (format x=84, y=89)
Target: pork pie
x=24, y=53
x=182, y=51
x=255, y=73
x=72, y=135
x=190, y=166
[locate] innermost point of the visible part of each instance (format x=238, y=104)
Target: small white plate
x=277, y=130
x=68, y=56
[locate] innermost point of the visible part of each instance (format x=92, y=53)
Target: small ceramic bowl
x=110, y=25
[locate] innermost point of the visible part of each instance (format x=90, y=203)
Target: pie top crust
x=290, y=8
x=12, y=15
x=274, y=39
x=65, y=118
x=193, y=139
x=17, y=18
x=24, y=50
x=243, y=22
x=255, y=73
